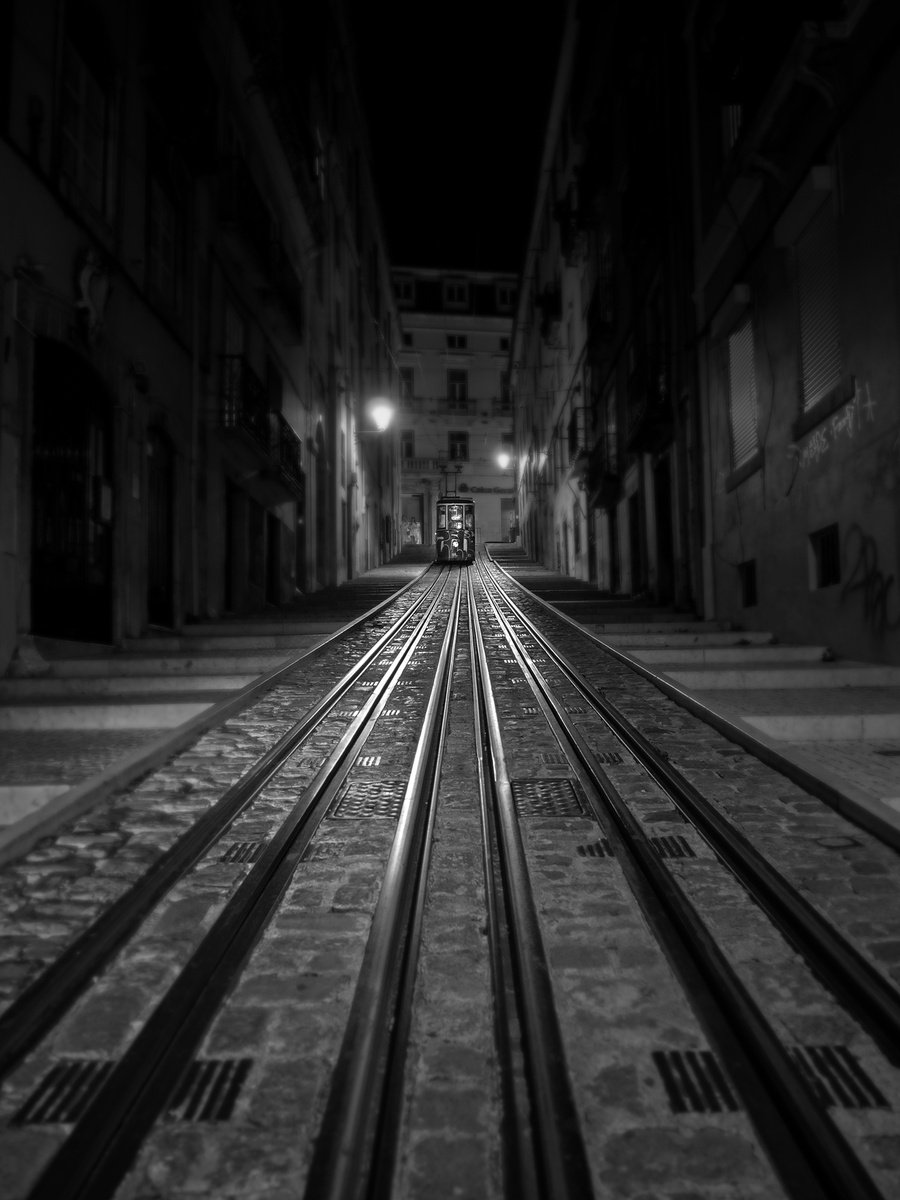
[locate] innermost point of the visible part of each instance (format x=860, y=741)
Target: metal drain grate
x=553, y=760
x=377, y=801
x=529, y=710
x=369, y=760
x=599, y=849
x=609, y=757
x=347, y=714
x=64, y=1092
x=241, y=852
x=673, y=846
x=209, y=1089
x=391, y=712
x=575, y=708
x=837, y=1078
x=546, y=798
x=694, y=1081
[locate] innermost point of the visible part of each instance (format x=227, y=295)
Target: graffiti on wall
x=880, y=600
x=845, y=423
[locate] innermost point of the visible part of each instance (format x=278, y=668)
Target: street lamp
x=504, y=458
x=381, y=411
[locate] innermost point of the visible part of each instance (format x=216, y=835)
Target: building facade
x=455, y=424
x=704, y=362
x=196, y=306
x=796, y=178
x=604, y=386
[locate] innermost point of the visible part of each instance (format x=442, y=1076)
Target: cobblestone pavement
x=621, y=1007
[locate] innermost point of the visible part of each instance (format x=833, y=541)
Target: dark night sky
x=457, y=98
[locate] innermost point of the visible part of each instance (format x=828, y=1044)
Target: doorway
x=71, y=498
x=160, y=529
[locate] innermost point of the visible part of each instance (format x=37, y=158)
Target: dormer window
x=405, y=292
x=456, y=293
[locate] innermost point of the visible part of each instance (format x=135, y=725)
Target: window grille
x=820, y=332
x=742, y=393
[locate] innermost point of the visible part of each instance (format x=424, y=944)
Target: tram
x=454, y=530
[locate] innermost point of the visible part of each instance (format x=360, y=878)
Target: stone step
x=22, y=691
x=669, y=656
x=128, y=712
x=637, y=636
x=826, y=727
x=821, y=675
x=235, y=641
x=140, y=666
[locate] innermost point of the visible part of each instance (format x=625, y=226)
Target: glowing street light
x=503, y=460
x=381, y=412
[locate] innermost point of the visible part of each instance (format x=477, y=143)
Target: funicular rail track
x=547, y=1145
x=810, y=1153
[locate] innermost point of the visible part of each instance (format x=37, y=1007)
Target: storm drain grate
x=546, y=798
x=610, y=757
x=241, y=852
x=209, y=1089
x=347, y=713
x=367, y=683
x=694, y=1081
x=529, y=710
x=599, y=849
x=369, y=760
x=64, y=1092
x=575, y=708
x=674, y=846
x=391, y=712
x=552, y=760
x=369, y=800
x=837, y=1077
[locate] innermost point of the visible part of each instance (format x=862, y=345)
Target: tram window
x=470, y=519
x=442, y=515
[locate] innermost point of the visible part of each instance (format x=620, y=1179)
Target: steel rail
x=861, y=988
x=44, y=1001
x=519, y=1161
x=355, y=1150
x=806, y=1147
x=100, y=1149
x=563, y=1171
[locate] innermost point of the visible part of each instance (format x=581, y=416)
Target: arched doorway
x=71, y=498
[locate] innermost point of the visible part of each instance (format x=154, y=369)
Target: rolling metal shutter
x=742, y=398
x=820, y=331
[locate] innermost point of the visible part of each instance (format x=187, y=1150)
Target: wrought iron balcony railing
x=244, y=403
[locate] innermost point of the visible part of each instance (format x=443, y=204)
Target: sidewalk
x=831, y=726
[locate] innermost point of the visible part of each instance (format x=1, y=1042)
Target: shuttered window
x=820, y=331
x=742, y=397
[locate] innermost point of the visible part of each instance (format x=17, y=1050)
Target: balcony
x=260, y=443
x=423, y=466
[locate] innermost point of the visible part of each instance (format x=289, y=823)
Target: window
x=407, y=443
x=505, y=393
x=407, y=339
x=405, y=291
x=742, y=393
x=167, y=190
x=86, y=131
x=458, y=446
x=504, y=344
x=406, y=383
x=505, y=296
x=825, y=557
x=457, y=341
x=458, y=389
x=817, y=286
x=456, y=293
